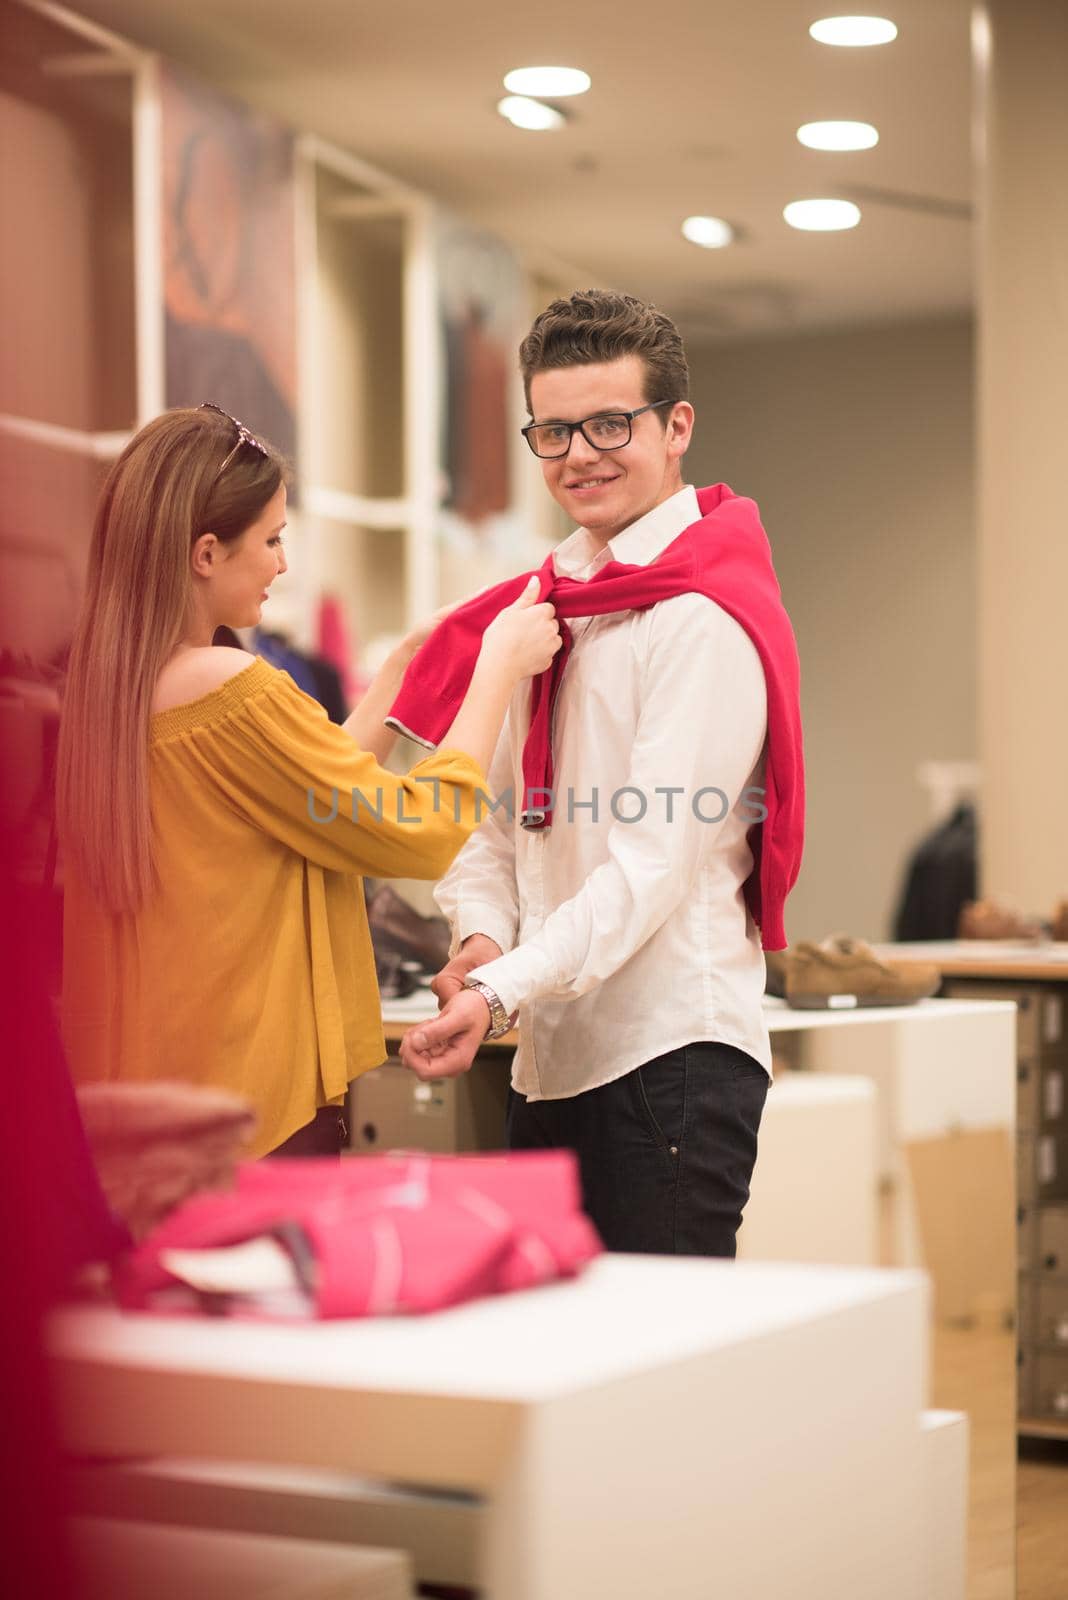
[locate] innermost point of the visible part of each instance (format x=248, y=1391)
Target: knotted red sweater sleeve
x=726, y=556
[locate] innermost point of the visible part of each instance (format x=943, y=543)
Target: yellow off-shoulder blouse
x=251, y=968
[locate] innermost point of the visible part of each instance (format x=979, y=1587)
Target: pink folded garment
x=379, y=1234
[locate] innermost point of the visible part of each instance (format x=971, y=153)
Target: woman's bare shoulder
x=197, y=672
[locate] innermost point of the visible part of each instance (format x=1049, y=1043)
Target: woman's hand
x=523, y=638
x=520, y=641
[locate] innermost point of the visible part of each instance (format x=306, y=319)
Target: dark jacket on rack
x=939, y=878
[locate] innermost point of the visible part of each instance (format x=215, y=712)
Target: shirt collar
x=639, y=544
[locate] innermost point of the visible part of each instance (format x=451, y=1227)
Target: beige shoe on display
x=993, y=919
x=842, y=973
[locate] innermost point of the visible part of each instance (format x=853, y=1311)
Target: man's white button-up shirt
x=624, y=927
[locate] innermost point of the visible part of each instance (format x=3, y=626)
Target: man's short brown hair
x=594, y=325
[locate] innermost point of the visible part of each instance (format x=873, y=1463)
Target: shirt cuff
x=491, y=920
x=517, y=978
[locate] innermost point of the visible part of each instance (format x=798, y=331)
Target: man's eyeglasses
x=243, y=436
x=610, y=430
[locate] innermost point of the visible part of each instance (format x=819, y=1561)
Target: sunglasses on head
x=243, y=435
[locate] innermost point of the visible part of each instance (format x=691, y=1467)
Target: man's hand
x=474, y=952
x=446, y=1047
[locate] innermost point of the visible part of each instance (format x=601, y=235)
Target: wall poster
x=482, y=305
x=229, y=255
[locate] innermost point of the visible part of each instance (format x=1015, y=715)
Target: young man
x=623, y=933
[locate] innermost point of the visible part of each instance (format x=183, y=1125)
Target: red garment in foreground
x=387, y=1234
x=725, y=556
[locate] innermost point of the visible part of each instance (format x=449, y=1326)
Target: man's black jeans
x=666, y=1152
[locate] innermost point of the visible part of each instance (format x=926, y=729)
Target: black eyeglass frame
x=244, y=435
x=580, y=427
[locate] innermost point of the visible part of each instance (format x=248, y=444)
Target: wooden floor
x=1018, y=1512
x=1042, y=1522
x=974, y=1370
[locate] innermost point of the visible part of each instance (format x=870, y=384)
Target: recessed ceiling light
x=838, y=135
x=822, y=216
x=551, y=82
x=712, y=233
x=854, y=31
x=530, y=114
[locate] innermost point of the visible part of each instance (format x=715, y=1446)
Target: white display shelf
x=369, y=387
x=634, y=1432
x=814, y=1194
x=783, y=1018
x=939, y=1066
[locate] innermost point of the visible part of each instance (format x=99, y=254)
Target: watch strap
x=500, y=1022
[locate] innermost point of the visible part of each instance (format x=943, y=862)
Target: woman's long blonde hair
x=165, y=490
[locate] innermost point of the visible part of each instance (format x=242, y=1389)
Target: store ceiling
x=694, y=109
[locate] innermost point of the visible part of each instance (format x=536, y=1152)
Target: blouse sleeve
x=301, y=778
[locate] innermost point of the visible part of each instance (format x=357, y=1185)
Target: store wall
x=67, y=358
x=47, y=366
x=1022, y=207
x=66, y=263
x=859, y=448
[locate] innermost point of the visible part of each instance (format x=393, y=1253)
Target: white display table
x=945, y=1496
x=130, y=1560
x=939, y=1068
x=814, y=1192
x=662, y=1426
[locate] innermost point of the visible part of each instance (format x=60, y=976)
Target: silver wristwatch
x=500, y=1022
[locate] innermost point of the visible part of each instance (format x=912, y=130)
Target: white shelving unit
x=368, y=386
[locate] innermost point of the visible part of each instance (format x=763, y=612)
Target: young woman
x=214, y=824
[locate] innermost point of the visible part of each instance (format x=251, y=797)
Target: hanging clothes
x=939, y=878
x=278, y=652
x=312, y=673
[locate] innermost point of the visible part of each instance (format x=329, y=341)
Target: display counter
x=1020, y=960
x=1033, y=978
x=635, y=1432
x=940, y=1067
x=944, y=1074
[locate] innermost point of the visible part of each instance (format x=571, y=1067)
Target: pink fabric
x=391, y=1234
x=334, y=646
x=725, y=556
